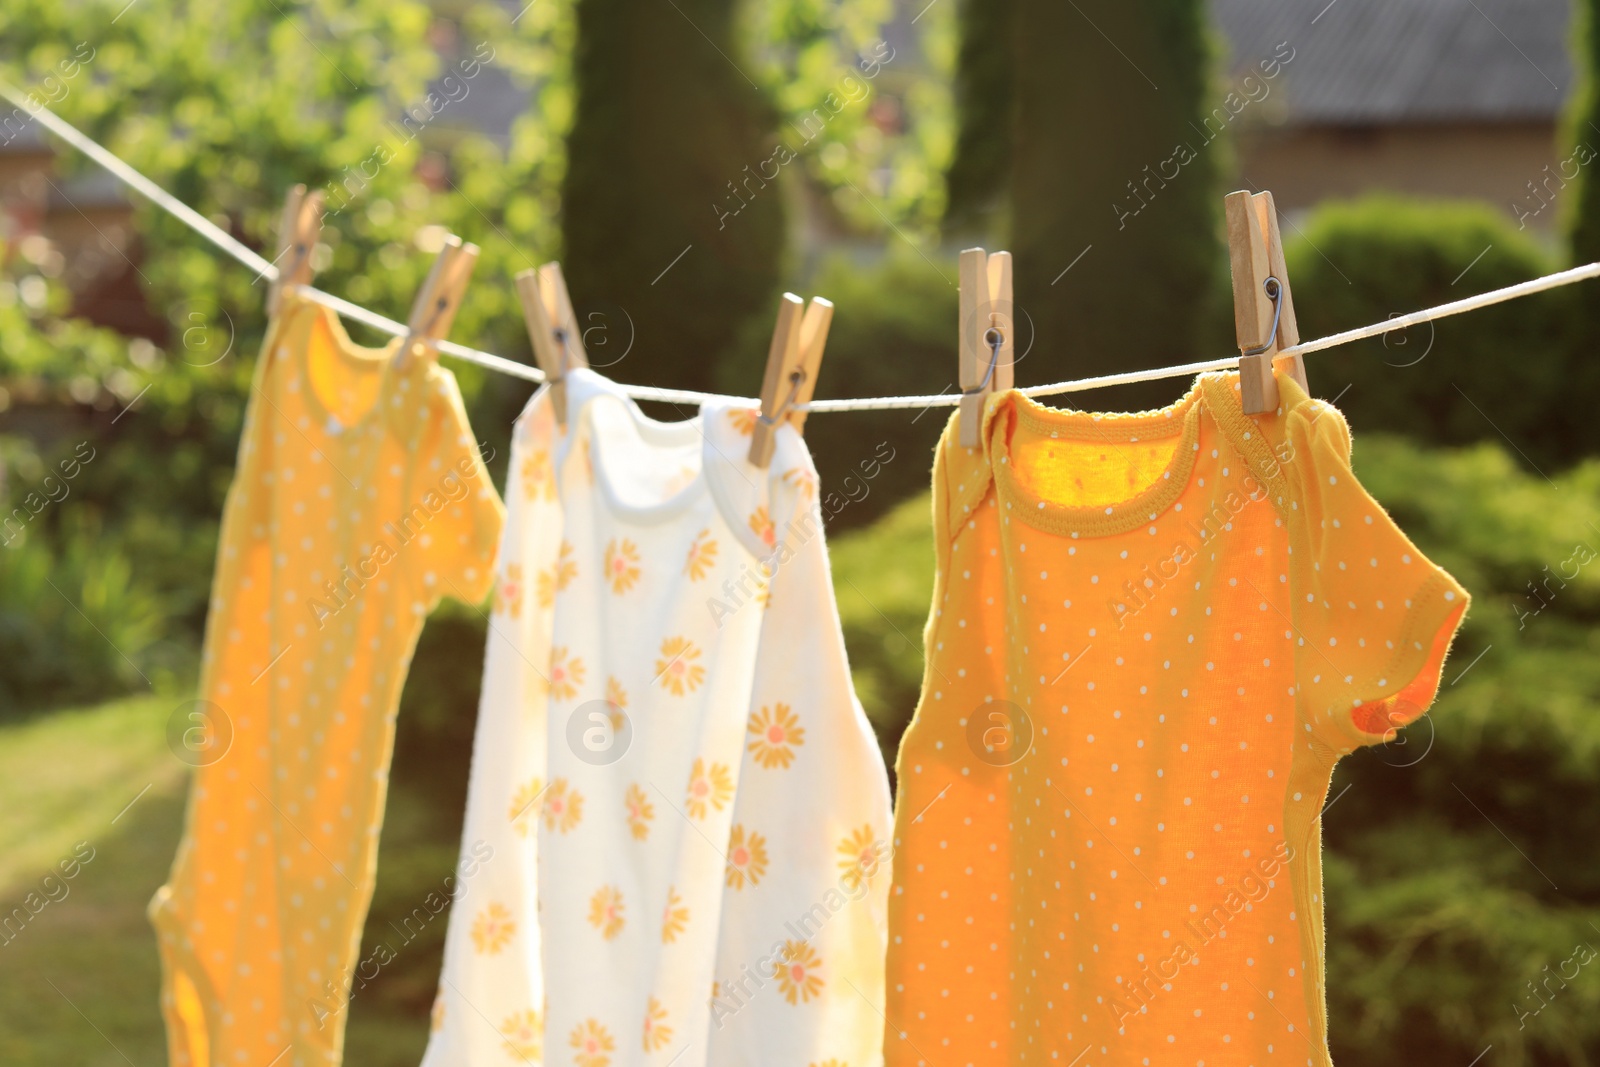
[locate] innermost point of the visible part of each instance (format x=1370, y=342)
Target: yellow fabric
x=359, y=500
x=1152, y=638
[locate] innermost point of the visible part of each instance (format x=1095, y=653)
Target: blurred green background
x=846, y=150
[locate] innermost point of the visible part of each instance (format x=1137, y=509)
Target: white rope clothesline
x=265, y=269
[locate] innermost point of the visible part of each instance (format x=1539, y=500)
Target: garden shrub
x=1500, y=373
x=76, y=624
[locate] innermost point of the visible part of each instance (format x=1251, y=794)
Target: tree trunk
x=672, y=236
x=1114, y=189
x=980, y=171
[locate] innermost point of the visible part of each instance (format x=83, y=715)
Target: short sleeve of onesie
x=464, y=515
x=1372, y=616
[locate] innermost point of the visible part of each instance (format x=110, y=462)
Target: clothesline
x=125, y=173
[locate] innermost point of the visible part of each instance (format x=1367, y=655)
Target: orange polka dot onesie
x=359, y=500
x=1153, y=636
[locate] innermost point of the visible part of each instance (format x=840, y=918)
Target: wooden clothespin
x=987, y=322
x=439, y=298
x=298, y=229
x=1263, y=307
x=792, y=365
x=553, y=329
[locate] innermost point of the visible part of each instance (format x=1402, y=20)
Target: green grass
x=79, y=983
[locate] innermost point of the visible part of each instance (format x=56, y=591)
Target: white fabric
x=715, y=894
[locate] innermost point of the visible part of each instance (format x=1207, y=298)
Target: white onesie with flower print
x=678, y=815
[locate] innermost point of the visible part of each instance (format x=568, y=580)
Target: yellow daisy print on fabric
x=678, y=669
x=605, y=911
x=524, y=1035
x=592, y=1044
x=709, y=788
x=615, y=694
x=775, y=734
x=617, y=697
x=747, y=858
x=761, y=525
x=763, y=595
x=538, y=477
x=702, y=556
x=803, y=481
x=640, y=812
x=656, y=1031
x=743, y=419
x=586, y=460
x=796, y=972
x=566, y=674
x=492, y=929
x=436, y=1016
x=563, y=809
x=524, y=806
x=674, y=917
x=674, y=484
x=858, y=857
x=508, y=591
x=622, y=565
x=558, y=577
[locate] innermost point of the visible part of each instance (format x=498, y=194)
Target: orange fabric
x=1152, y=637
x=359, y=500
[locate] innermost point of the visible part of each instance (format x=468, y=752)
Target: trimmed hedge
x=1499, y=373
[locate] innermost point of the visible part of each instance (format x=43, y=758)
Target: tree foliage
x=225, y=107
x=867, y=120
x=1583, y=218
x=1504, y=370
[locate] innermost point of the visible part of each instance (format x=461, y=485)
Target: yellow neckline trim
x=1180, y=419
x=357, y=357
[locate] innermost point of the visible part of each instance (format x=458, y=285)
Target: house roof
x=1361, y=62
x=22, y=136
x=94, y=188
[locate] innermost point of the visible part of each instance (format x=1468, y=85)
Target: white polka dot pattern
x=1151, y=642
x=360, y=499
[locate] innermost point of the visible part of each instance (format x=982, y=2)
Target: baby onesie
x=359, y=500
x=683, y=806
x=1153, y=636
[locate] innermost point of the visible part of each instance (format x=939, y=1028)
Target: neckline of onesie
x=584, y=388
x=1180, y=419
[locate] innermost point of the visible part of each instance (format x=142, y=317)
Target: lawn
x=79, y=982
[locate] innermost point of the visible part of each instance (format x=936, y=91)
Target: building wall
x=1517, y=167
